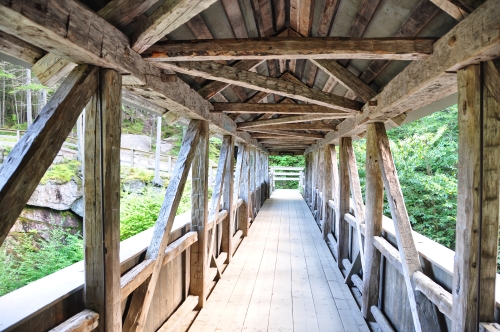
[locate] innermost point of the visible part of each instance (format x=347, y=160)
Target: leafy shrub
x=31, y=258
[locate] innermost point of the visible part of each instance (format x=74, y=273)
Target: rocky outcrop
x=56, y=196
x=134, y=186
x=43, y=220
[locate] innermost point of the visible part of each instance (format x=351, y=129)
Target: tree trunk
x=29, y=111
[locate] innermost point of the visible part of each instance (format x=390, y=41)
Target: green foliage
x=136, y=173
x=426, y=154
x=33, y=87
x=287, y=161
x=62, y=173
x=31, y=258
x=214, y=149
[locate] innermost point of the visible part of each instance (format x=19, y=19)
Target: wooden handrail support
x=437, y=294
x=136, y=276
x=174, y=321
x=489, y=327
x=382, y=322
x=84, y=321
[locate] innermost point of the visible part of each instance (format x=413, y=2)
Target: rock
x=43, y=220
x=77, y=207
x=134, y=186
x=137, y=142
x=56, y=196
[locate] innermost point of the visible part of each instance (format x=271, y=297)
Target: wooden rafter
x=244, y=108
x=21, y=172
x=314, y=125
x=423, y=82
x=165, y=19
x=288, y=119
x=269, y=133
x=451, y=9
x=292, y=48
x=259, y=82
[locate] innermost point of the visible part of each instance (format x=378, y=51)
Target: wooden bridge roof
x=353, y=79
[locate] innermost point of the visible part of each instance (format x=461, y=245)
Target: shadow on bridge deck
x=282, y=278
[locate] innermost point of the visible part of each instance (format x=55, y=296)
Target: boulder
x=42, y=220
x=77, y=207
x=56, y=196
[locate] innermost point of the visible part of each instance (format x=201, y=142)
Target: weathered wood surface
x=83, y=42
x=282, y=277
x=19, y=49
x=137, y=275
x=102, y=201
x=423, y=312
x=292, y=119
x=129, y=97
x=292, y=48
x=478, y=210
x=343, y=202
x=166, y=18
x=281, y=108
x=245, y=189
x=379, y=317
x=373, y=227
x=423, y=82
x=174, y=322
x=142, y=296
x=451, y=9
x=266, y=133
x=199, y=217
x=314, y=125
x=228, y=204
x=346, y=78
x=26, y=164
x=85, y=321
x=51, y=68
x=247, y=79
x=437, y=294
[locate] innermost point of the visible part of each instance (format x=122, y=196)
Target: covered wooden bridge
x=269, y=77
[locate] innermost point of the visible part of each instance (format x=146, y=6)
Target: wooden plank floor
x=282, y=278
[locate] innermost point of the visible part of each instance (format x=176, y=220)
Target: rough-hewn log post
x=335, y=179
x=28, y=161
x=199, y=216
x=327, y=191
x=102, y=201
x=373, y=212
x=478, y=201
x=227, y=204
x=344, y=201
x=244, y=212
x=424, y=313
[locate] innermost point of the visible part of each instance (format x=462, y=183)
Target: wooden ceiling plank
x=233, y=13
x=291, y=133
x=288, y=119
x=424, y=82
x=121, y=13
x=19, y=49
x=346, y=78
x=263, y=14
x=259, y=82
x=279, y=13
x=409, y=48
x=363, y=17
x=418, y=18
x=165, y=19
x=280, y=108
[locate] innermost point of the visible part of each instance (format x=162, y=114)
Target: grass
x=62, y=173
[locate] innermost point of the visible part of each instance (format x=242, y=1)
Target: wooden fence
x=282, y=173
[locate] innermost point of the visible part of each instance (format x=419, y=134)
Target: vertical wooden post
x=344, y=201
x=227, y=204
x=478, y=199
x=157, y=179
x=251, y=206
x=327, y=191
x=199, y=216
x=373, y=219
x=244, y=212
x=424, y=313
x=335, y=179
x=102, y=202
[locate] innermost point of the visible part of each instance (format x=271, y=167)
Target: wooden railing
x=177, y=263
x=283, y=173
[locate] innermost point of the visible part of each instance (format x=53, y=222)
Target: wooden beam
x=492, y=78
x=346, y=78
x=165, y=19
x=451, y=9
x=228, y=203
x=374, y=212
x=327, y=190
x=26, y=164
x=314, y=125
x=423, y=311
x=292, y=48
x=231, y=75
x=245, y=207
x=424, y=82
x=19, y=49
x=379, y=317
x=281, y=108
x=199, y=218
x=176, y=320
x=269, y=133
x=435, y=293
x=344, y=201
x=129, y=97
x=84, y=321
x=76, y=41
x=290, y=119
x=102, y=201
x=478, y=202
x=52, y=68
x=143, y=295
